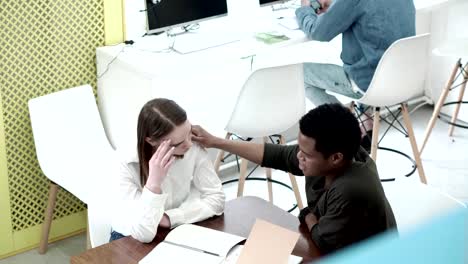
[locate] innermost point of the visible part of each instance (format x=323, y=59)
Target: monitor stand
x=278, y=7
x=286, y=4
x=286, y=15
x=192, y=40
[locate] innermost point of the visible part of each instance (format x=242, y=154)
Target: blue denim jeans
x=115, y=235
x=319, y=78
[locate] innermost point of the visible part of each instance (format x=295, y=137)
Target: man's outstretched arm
x=248, y=150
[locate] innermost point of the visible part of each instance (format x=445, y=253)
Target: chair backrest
x=270, y=101
x=71, y=146
x=400, y=74
x=99, y=222
x=416, y=203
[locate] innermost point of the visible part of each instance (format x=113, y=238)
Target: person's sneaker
x=366, y=141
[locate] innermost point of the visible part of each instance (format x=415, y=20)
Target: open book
x=193, y=244
x=234, y=255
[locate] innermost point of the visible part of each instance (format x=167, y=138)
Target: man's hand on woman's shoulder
x=202, y=137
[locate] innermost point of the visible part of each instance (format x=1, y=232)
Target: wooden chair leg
x=220, y=156
x=49, y=214
x=438, y=106
x=457, y=107
x=242, y=175
x=375, y=134
x=270, y=184
x=414, y=146
x=268, y=175
x=294, y=186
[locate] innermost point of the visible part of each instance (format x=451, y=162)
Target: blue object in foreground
x=443, y=240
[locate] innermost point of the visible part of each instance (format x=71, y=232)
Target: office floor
x=445, y=163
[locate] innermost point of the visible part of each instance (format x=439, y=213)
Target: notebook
x=271, y=37
x=268, y=243
x=234, y=255
x=193, y=244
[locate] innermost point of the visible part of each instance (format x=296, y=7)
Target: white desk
x=204, y=83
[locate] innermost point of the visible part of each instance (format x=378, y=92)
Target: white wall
x=135, y=20
x=448, y=24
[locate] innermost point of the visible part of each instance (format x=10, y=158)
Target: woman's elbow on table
x=143, y=234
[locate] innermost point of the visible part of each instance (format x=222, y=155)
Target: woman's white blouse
x=191, y=192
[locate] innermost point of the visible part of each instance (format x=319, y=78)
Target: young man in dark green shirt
x=346, y=201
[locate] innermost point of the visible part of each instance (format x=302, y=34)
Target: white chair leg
x=414, y=146
x=457, y=107
x=375, y=134
x=49, y=214
x=88, y=237
x=220, y=155
x=294, y=186
x=438, y=106
x=242, y=175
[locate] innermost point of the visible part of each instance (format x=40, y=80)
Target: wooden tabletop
x=238, y=218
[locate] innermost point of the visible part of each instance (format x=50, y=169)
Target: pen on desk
x=251, y=60
x=192, y=248
x=247, y=57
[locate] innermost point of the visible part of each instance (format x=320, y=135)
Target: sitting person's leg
x=318, y=96
x=115, y=235
x=320, y=78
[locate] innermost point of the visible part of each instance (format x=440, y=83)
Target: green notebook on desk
x=270, y=37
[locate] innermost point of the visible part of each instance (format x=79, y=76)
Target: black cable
x=152, y=34
x=265, y=179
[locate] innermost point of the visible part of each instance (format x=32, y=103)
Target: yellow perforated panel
x=45, y=46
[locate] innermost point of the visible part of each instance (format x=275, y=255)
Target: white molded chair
x=99, y=221
x=414, y=203
x=74, y=153
x=456, y=49
x=271, y=101
x=399, y=77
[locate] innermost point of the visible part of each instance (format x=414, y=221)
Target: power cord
x=127, y=43
x=152, y=34
x=166, y=50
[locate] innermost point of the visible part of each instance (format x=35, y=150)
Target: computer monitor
x=271, y=2
x=166, y=14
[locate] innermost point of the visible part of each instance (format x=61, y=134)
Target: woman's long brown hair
x=157, y=118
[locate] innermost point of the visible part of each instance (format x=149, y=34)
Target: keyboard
x=289, y=22
x=193, y=42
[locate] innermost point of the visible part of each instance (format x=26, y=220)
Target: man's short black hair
x=334, y=129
